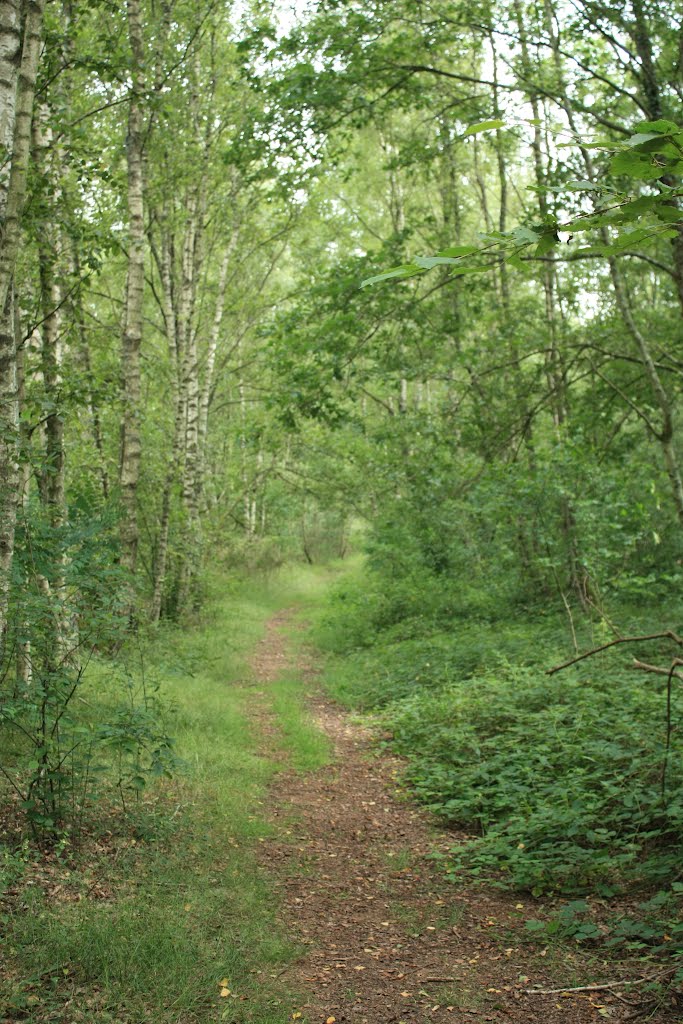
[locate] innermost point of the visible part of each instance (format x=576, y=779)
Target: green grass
x=306, y=747
x=187, y=906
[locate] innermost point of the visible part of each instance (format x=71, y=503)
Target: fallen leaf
x=295, y=1016
x=330, y=1020
x=225, y=992
x=224, y=983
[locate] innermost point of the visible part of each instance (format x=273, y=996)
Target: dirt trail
x=386, y=939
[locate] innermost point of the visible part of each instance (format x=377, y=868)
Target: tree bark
x=19, y=59
x=212, y=349
x=131, y=449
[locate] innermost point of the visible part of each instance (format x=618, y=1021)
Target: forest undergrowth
x=561, y=786
x=160, y=914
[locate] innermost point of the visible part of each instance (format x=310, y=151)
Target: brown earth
x=386, y=940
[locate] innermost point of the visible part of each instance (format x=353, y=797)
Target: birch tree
x=19, y=59
x=135, y=283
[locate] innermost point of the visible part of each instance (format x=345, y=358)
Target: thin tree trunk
x=666, y=434
x=18, y=70
x=84, y=354
x=207, y=384
x=132, y=327
x=190, y=478
x=178, y=397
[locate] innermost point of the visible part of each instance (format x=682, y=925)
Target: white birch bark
x=19, y=60
x=209, y=370
x=177, y=391
x=132, y=324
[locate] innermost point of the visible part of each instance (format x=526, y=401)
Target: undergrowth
x=151, y=913
x=559, y=785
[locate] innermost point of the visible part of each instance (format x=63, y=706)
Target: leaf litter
x=387, y=939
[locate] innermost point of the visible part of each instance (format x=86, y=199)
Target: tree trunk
x=207, y=384
x=135, y=282
x=18, y=70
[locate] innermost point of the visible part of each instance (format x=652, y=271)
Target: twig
x=666, y=635
x=599, y=988
x=657, y=669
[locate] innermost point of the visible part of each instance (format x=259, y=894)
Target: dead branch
x=666, y=635
x=602, y=987
x=657, y=669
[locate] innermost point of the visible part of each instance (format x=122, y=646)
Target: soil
x=385, y=938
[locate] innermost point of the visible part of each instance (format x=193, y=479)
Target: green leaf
x=515, y=261
x=525, y=235
x=660, y=127
x=396, y=273
x=548, y=240
x=636, y=165
x=669, y=214
x=458, y=250
x=641, y=138
x=580, y=186
x=427, y=262
x=483, y=126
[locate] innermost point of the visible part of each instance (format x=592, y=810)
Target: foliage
x=653, y=153
x=164, y=884
x=556, y=781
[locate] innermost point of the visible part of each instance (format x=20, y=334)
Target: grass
x=185, y=906
x=307, y=748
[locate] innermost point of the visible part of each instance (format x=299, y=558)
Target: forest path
x=385, y=938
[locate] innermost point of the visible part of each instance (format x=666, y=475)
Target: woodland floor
x=385, y=938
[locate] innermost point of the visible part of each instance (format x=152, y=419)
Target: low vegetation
x=560, y=785
x=152, y=914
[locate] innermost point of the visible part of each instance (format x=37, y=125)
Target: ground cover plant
x=153, y=915
x=563, y=785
